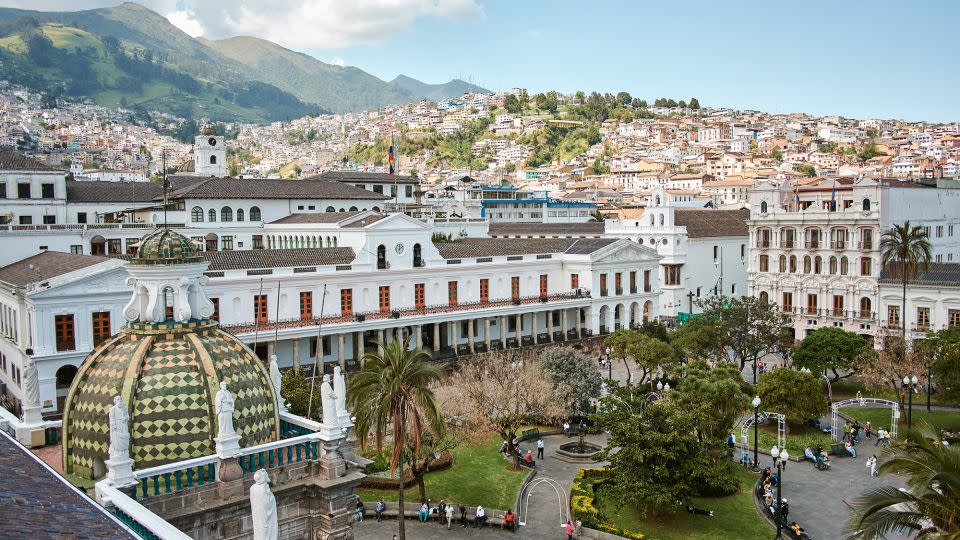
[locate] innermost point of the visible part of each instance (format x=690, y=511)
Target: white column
x=436, y=337
x=296, y=354
x=563, y=322
x=380, y=336
x=419, y=337
x=454, y=335
x=340, y=352
x=550, y=324
x=486, y=332
x=502, y=326
x=470, y=334
x=533, y=327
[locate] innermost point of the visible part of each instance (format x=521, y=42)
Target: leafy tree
x=624, y=99
x=638, y=103
x=671, y=103
x=682, y=104
x=391, y=394
x=904, y=249
x=699, y=338
x=648, y=353
x=832, y=349
x=295, y=389
x=869, y=151
x=421, y=458
x=694, y=104
x=776, y=154
x=891, y=363
x=750, y=328
x=502, y=392
x=806, y=169
x=40, y=49
x=944, y=347
x=598, y=216
x=714, y=396
x=524, y=99
x=540, y=100
x=650, y=449
x=929, y=507
x=793, y=393
x=872, y=133
x=573, y=376
x=552, y=102
x=512, y=104
x=599, y=167
x=580, y=97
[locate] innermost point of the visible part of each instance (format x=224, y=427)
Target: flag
x=833, y=196
x=390, y=159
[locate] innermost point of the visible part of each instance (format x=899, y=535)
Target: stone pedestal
x=120, y=472
x=32, y=416
x=229, y=470
x=337, y=497
x=228, y=446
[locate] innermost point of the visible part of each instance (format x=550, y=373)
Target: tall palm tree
x=904, y=249
x=930, y=504
x=391, y=394
x=598, y=216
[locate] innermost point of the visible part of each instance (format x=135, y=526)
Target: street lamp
x=756, y=413
x=609, y=364
x=910, y=385
x=780, y=457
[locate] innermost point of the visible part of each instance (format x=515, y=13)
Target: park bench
x=837, y=449
x=412, y=510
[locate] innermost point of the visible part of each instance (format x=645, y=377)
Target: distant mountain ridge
x=130, y=55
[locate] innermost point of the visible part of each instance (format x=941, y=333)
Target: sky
x=881, y=59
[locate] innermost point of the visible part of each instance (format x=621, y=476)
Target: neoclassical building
x=815, y=250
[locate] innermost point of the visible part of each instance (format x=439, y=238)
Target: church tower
x=209, y=154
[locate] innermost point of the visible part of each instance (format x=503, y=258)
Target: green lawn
x=479, y=476
x=735, y=518
x=879, y=417
x=798, y=438
x=846, y=389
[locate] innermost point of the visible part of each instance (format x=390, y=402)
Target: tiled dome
x=168, y=376
x=163, y=246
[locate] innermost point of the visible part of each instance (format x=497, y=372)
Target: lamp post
x=909, y=385
x=929, y=388
x=780, y=457
x=756, y=413
x=609, y=364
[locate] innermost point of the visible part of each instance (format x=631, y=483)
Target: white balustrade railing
x=142, y=521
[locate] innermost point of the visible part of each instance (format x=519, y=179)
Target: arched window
x=417, y=259
x=866, y=205
x=865, y=308
x=817, y=265
x=213, y=160
x=844, y=266
x=764, y=297
x=353, y=208
x=661, y=219
x=255, y=213
x=833, y=265
x=196, y=214
x=783, y=264
x=226, y=214
x=211, y=215
x=764, y=263
x=239, y=214
x=806, y=264
x=331, y=209
x=653, y=219
x=793, y=264
x=381, y=257
x=763, y=207
x=334, y=241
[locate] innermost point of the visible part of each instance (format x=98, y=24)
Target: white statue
x=119, y=430
x=340, y=391
x=275, y=378
x=263, y=507
x=225, y=406
x=31, y=383
x=328, y=399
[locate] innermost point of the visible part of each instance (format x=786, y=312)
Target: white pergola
x=836, y=427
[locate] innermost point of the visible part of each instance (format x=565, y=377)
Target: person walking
x=359, y=509
x=569, y=530
x=449, y=512
x=540, y=448
x=441, y=511
x=872, y=465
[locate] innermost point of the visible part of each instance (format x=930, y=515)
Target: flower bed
x=384, y=480
x=582, y=499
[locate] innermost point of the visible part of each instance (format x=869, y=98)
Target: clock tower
x=209, y=154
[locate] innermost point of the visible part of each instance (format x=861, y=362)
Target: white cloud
x=299, y=24
x=186, y=21
x=337, y=61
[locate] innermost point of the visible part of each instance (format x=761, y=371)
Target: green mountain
x=340, y=89
x=435, y=92
x=130, y=56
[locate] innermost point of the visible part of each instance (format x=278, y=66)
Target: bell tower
x=209, y=154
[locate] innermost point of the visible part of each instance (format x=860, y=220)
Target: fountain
x=580, y=451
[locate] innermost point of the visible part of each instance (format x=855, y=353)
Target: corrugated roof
x=315, y=217
x=468, y=248
x=704, y=223
x=250, y=259
x=590, y=228
x=937, y=274
x=46, y=265
x=121, y=192
x=266, y=188
x=11, y=160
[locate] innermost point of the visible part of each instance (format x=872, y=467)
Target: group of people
x=525, y=458
x=817, y=456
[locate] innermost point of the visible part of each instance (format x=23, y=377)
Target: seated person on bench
x=510, y=521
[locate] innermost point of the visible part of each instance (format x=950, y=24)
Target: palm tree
x=391, y=393
x=930, y=504
x=598, y=216
x=904, y=249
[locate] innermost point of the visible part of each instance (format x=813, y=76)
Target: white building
x=815, y=250
x=210, y=155
x=933, y=301
x=305, y=298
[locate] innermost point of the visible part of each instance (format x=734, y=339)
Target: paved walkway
x=545, y=506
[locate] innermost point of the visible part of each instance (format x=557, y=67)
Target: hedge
x=374, y=481
x=582, y=499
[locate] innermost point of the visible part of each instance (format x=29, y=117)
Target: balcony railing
x=763, y=244
x=812, y=244
x=604, y=292
x=838, y=245
x=865, y=246
x=921, y=327
x=84, y=226
x=619, y=291
x=786, y=244
x=297, y=322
